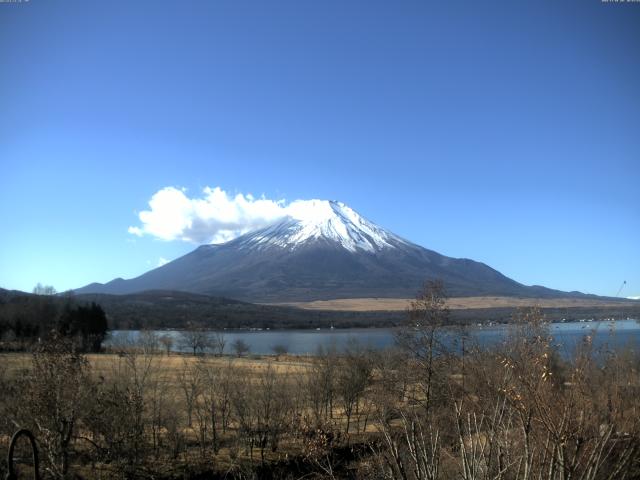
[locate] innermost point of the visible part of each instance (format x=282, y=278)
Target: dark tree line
x=29, y=319
x=87, y=323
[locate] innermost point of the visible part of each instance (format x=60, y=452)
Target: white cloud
x=637, y=297
x=216, y=217
x=162, y=261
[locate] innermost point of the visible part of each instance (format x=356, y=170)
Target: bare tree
x=167, y=342
x=121, y=415
x=148, y=341
x=241, y=347
x=320, y=384
x=409, y=430
x=352, y=380
x=274, y=401
x=195, y=339
x=56, y=393
x=215, y=398
x=190, y=383
x=279, y=350
x=40, y=289
x=421, y=338
x=261, y=410
x=218, y=343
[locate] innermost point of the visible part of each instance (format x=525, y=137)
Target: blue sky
x=507, y=132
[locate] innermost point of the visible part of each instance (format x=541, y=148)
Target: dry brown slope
x=456, y=303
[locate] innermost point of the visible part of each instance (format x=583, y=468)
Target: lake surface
x=606, y=336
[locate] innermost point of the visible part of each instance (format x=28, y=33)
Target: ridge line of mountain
x=322, y=251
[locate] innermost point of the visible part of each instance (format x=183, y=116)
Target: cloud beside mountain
x=215, y=217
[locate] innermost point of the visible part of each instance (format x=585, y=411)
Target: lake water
x=606, y=335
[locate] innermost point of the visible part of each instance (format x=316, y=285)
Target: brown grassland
x=455, y=303
x=173, y=375
x=105, y=363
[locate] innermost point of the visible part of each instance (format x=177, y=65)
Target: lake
x=606, y=334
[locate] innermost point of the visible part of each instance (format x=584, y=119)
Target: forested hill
x=27, y=319
x=172, y=309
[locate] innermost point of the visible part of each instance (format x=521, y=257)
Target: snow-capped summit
x=323, y=220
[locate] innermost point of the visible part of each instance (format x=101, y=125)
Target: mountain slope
x=322, y=250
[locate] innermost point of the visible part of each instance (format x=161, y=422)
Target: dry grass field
x=457, y=303
x=172, y=365
x=174, y=377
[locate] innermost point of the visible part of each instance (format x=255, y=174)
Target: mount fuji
x=320, y=250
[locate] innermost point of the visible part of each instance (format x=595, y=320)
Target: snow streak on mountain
x=317, y=220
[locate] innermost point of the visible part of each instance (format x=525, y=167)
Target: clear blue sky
x=507, y=132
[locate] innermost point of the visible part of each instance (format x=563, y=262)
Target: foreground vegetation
x=516, y=411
